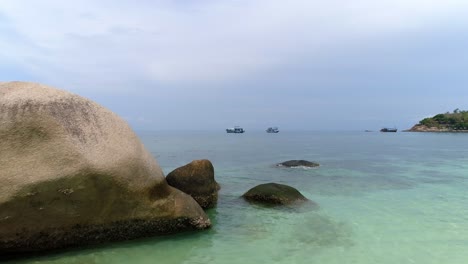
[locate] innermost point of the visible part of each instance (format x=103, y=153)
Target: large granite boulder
x=74, y=173
x=274, y=194
x=298, y=163
x=197, y=180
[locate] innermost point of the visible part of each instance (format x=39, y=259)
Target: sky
x=209, y=65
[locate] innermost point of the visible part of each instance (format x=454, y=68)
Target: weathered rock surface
x=297, y=163
x=197, y=180
x=74, y=173
x=423, y=128
x=274, y=194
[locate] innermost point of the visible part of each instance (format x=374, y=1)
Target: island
x=456, y=121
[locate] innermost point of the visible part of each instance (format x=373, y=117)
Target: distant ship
x=386, y=129
x=272, y=130
x=235, y=129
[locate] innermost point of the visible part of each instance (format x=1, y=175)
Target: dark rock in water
x=73, y=173
x=197, y=180
x=298, y=163
x=274, y=194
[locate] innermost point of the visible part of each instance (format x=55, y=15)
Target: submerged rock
x=274, y=194
x=197, y=180
x=298, y=163
x=74, y=173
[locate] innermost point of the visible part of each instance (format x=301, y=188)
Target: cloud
x=102, y=44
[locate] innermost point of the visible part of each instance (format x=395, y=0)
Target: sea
x=384, y=198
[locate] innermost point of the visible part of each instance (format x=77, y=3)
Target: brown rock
x=74, y=173
x=197, y=180
x=423, y=128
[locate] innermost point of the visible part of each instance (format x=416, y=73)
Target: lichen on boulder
x=73, y=173
x=197, y=180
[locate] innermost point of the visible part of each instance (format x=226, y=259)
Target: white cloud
x=104, y=43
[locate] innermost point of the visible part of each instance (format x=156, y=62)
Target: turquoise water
x=384, y=198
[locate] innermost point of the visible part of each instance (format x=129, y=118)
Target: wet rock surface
x=274, y=194
x=197, y=180
x=298, y=163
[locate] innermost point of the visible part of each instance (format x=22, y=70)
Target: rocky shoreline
x=79, y=183
x=423, y=128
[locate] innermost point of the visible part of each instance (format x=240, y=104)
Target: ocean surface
x=383, y=197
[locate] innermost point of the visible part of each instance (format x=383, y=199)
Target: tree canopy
x=457, y=120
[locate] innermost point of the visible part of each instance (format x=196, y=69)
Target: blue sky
x=207, y=65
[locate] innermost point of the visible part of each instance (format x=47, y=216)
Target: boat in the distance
x=387, y=129
x=235, y=129
x=272, y=130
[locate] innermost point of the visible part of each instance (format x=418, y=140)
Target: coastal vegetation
x=457, y=120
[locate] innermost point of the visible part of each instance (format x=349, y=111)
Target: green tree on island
x=457, y=120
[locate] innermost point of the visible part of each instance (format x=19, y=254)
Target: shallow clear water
x=384, y=198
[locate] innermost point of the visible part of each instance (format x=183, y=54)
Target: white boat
x=235, y=129
x=272, y=130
